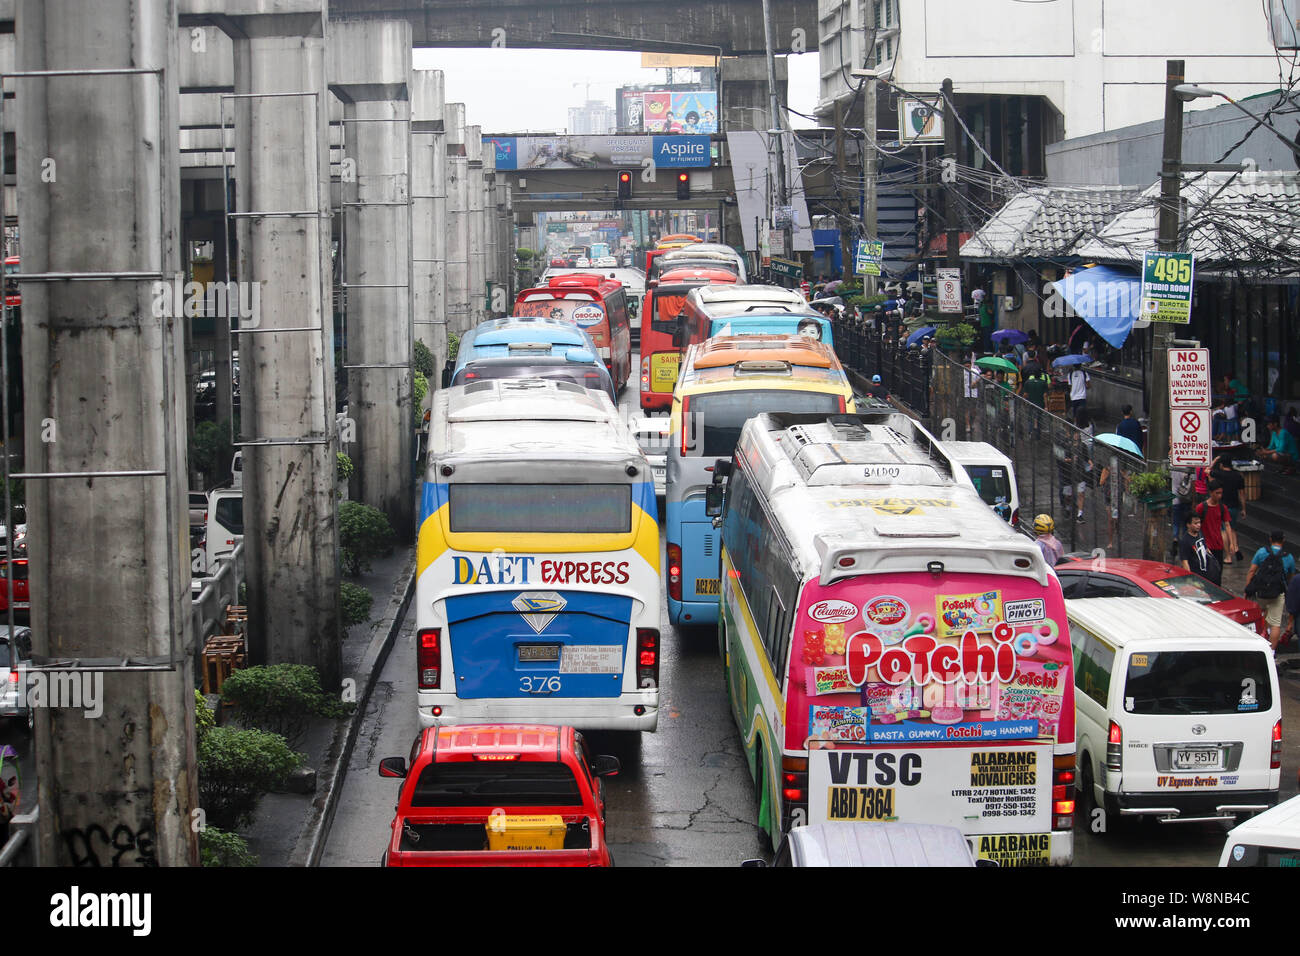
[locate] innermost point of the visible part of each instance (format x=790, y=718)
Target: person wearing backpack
x=1266, y=582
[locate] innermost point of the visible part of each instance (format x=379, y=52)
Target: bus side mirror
x=679, y=334
x=722, y=469
x=714, y=495
x=446, y=375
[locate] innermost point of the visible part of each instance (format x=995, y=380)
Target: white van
x=992, y=473
x=1270, y=839
x=1178, y=711
x=224, y=529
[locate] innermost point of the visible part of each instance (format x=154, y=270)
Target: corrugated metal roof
x=1229, y=219
x=1047, y=222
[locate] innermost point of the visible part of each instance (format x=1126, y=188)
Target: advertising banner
x=1167, y=287
x=598, y=152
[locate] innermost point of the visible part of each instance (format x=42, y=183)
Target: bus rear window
x=507, y=783
x=1197, y=682
x=541, y=509
x=717, y=418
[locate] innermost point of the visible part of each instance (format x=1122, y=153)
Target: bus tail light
x=794, y=791
x=843, y=407
x=1115, y=749
x=686, y=425
x=1015, y=518
x=1063, y=792
x=675, y=571
x=645, y=374
x=647, y=657
x=1275, y=761
x=429, y=658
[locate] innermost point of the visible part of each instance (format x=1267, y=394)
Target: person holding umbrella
x=1130, y=428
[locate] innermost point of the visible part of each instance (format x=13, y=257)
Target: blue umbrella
x=920, y=334
x=1071, y=360
x=1120, y=442
x=1010, y=336
x=1104, y=297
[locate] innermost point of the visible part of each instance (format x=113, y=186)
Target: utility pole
x=775, y=124
x=952, y=256
x=1166, y=241
x=841, y=169
x=869, y=167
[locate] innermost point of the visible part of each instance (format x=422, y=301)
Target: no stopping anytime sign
x=1189, y=436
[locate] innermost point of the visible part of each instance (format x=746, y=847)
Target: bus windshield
x=716, y=418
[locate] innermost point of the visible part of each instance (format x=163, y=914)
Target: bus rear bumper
x=584, y=715
x=693, y=613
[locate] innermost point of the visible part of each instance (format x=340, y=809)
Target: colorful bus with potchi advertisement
x=893, y=651
x=537, y=590
x=596, y=303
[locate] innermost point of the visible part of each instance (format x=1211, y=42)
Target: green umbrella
x=995, y=364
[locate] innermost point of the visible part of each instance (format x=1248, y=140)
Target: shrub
x=204, y=718
x=343, y=466
x=280, y=698
x=421, y=388
x=212, y=450
x=355, y=602
x=364, y=534
x=423, y=359
x=453, y=346
x=236, y=767
x=217, y=847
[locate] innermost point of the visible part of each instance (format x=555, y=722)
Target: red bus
x=594, y=302
x=663, y=337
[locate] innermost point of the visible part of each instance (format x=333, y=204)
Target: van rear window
x=541, y=509
x=1198, y=682
x=991, y=481
x=1268, y=856
x=485, y=784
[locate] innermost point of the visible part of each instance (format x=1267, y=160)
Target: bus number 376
x=539, y=685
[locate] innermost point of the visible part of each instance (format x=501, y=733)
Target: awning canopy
x=1104, y=297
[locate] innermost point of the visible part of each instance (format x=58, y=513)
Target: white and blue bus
x=538, y=590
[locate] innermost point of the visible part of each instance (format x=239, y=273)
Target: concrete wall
x=1130, y=156
x=1101, y=62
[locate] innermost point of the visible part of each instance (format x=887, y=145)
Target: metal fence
x=1061, y=471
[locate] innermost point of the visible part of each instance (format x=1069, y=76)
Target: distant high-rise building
x=593, y=119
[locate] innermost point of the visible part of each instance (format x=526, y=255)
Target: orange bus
x=663, y=337
x=594, y=302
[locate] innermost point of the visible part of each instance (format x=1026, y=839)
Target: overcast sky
x=517, y=91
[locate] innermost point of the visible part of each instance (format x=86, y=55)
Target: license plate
x=860, y=803
x=706, y=585
x=1197, y=759
x=539, y=652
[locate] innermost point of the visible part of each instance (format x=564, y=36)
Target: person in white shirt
x=970, y=380
x=1079, y=381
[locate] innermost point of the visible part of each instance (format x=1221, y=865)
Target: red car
x=22, y=597
x=499, y=795
x=1116, y=577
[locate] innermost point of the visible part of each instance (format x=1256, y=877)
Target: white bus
x=892, y=650
x=538, y=589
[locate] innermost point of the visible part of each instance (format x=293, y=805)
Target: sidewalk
x=289, y=828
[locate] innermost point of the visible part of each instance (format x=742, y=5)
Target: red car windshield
x=1193, y=587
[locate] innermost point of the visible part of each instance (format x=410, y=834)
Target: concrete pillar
x=506, y=242
x=370, y=71
x=99, y=191
x=286, y=377
x=458, y=289
x=429, y=215
x=744, y=105
x=475, y=224
x=494, y=303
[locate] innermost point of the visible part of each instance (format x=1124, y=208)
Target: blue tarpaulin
x=1105, y=298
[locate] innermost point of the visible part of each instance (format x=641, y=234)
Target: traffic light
x=624, y=184
x=683, y=185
